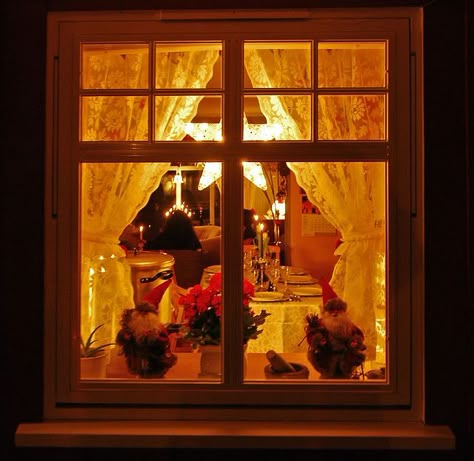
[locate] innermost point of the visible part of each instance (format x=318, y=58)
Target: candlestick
x=141, y=233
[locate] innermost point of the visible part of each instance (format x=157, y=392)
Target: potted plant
x=93, y=356
x=202, y=321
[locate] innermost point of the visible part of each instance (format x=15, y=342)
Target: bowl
x=301, y=372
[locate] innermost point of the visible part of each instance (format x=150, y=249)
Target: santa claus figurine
x=336, y=344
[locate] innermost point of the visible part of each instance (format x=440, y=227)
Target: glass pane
x=277, y=117
x=293, y=227
x=188, y=118
x=162, y=224
x=114, y=118
x=188, y=65
x=352, y=64
x=355, y=117
x=114, y=66
x=277, y=65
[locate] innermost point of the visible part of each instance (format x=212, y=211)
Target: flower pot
x=210, y=361
x=94, y=367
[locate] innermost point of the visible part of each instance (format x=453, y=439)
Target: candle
x=141, y=233
x=260, y=241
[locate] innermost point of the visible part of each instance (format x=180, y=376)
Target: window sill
x=236, y=434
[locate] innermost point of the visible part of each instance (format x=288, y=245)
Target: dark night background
x=448, y=36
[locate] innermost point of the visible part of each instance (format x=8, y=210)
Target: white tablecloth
x=284, y=329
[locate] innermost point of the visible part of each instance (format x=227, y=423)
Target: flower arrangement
x=203, y=311
x=145, y=342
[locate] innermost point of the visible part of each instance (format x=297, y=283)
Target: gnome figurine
x=336, y=344
x=144, y=339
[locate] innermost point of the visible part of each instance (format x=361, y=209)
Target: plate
x=308, y=291
x=301, y=280
x=296, y=270
x=268, y=296
x=213, y=269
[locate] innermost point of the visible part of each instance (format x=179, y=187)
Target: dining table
x=284, y=329
x=288, y=305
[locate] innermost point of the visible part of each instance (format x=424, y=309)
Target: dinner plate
x=296, y=270
x=213, y=269
x=268, y=296
x=301, y=280
x=308, y=291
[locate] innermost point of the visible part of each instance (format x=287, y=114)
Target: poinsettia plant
x=203, y=312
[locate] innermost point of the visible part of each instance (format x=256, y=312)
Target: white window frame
x=401, y=399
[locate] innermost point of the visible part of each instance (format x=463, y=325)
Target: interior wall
x=314, y=253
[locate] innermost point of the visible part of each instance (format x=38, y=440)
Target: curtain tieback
x=362, y=236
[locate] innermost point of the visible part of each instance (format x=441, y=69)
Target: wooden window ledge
x=236, y=434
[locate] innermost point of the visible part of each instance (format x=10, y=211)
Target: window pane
x=128, y=256
x=114, y=66
x=114, y=118
x=277, y=117
x=351, y=64
x=277, y=65
x=355, y=117
x=188, y=118
x=306, y=211
x=188, y=65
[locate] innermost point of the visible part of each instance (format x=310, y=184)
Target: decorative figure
x=144, y=339
x=336, y=344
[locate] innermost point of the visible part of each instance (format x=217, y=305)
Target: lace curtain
x=282, y=69
x=350, y=195
x=113, y=193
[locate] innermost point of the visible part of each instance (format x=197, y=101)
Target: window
x=140, y=112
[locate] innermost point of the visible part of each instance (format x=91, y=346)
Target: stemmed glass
x=273, y=272
x=250, y=269
x=284, y=275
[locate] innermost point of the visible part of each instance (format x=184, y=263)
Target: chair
x=274, y=251
x=188, y=266
x=212, y=250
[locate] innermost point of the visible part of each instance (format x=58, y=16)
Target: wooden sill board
x=236, y=434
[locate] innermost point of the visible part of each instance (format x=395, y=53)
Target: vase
x=210, y=361
x=94, y=367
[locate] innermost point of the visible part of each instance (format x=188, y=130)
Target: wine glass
x=273, y=273
x=284, y=275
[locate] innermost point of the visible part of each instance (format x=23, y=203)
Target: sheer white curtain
x=282, y=69
x=113, y=193
x=350, y=195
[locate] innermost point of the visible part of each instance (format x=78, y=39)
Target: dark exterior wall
x=449, y=317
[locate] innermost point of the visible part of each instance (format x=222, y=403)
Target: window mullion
x=232, y=214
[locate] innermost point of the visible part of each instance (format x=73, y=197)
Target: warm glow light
x=178, y=180
x=261, y=132
x=278, y=210
x=254, y=172
x=252, y=131
x=204, y=131
x=213, y=171
x=181, y=207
